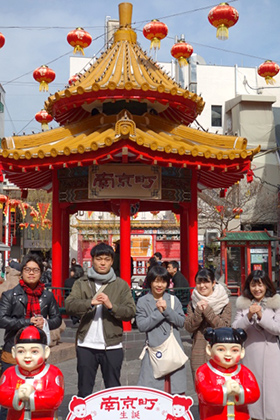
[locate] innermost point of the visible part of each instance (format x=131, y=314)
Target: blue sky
x=36, y=32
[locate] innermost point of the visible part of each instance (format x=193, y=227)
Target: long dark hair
x=256, y=277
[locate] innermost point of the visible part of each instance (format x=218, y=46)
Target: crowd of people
x=101, y=301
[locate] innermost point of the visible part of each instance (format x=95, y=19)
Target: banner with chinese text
x=124, y=181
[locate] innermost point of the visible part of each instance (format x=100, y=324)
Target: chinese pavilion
x=123, y=146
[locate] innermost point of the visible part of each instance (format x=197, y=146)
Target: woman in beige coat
x=209, y=307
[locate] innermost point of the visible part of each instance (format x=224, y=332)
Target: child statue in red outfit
x=32, y=389
x=225, y=387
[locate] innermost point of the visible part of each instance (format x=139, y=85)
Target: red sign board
x=170, y=250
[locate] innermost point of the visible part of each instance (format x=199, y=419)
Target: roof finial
x=125, y=33
x=125, y=15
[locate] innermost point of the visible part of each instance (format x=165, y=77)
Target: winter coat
x=262, y=354
x=78, y=304
x=13, y=305
x=156, y=325
x=196, y=323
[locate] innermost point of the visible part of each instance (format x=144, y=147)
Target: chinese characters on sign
x=129, y=181
x=130, y=403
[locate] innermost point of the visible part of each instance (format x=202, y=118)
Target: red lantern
x=32, y=225
x=13, y=205
x=250, y=176
x=223, y=17
x=73, y=79
x=155, y=31
x=79, y=39
x=268, y=69
x=44, y=118
x=44, y=76
x=22, y=226
x=181, y=51
x=2, y=40
x=3, y=200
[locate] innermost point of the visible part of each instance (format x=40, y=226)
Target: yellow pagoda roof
x=150, y=132
x=124, y=72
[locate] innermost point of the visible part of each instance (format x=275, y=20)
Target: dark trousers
x=4, y=410
x=88, y=361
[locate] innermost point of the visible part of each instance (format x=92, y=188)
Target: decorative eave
x=101, y=131
x=124, y=138
x=124, y=72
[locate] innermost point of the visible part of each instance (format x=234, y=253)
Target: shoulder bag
x=168, y=356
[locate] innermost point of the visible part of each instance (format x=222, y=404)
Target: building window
x=216, y=115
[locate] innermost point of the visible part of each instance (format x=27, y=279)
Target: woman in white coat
x=258, y=313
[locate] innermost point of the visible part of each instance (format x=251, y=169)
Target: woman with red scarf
x=26, y=304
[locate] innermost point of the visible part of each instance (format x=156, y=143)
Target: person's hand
x=202, y=304
x=233, y=387
x=255, y=308
x=37, y=321
x=161, y=305
x=24, y=391
x=102, y=299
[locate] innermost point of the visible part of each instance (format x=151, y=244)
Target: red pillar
x=125, y=247
x=193, y=231
x=184, y=234
x=269, y=261
x=248, y=258
x=56, y=234
x=65, y=245
x=243, y=271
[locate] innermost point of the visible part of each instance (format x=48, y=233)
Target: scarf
x=217, y=300
x=102, y=278
x=33, y=305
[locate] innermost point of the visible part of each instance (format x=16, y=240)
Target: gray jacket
x=157, y=325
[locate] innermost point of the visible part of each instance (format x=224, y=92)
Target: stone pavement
x=133, y=344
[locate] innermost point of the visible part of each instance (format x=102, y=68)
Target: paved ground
x=130, y=370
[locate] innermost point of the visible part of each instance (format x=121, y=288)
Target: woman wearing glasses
x=26, y=304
